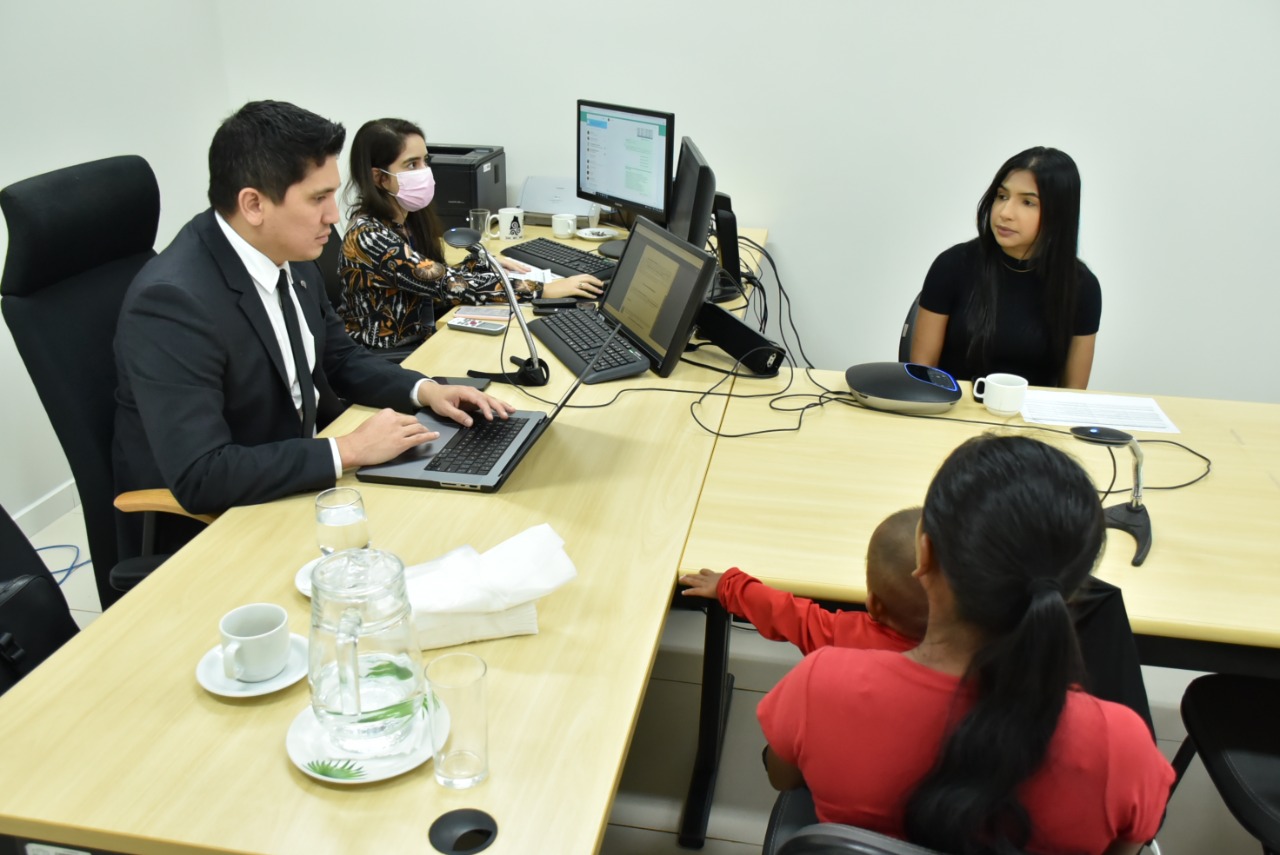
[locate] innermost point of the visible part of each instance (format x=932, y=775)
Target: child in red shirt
x=896, y=614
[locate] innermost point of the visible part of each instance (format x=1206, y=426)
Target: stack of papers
x=1121, y=412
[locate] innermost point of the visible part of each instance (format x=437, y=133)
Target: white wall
x=81, y=81
x=861, y=133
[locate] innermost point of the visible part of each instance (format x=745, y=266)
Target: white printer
x=543, y=196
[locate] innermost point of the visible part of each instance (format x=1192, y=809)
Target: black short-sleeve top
x=1021, y=343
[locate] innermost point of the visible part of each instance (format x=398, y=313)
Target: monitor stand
x=727, y=285
x=612, y=248
x=722, y=291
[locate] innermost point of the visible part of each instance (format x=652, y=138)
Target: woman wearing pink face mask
x=395, y=279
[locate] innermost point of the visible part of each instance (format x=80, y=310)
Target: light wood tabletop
x=796, y=509
x=113, y=744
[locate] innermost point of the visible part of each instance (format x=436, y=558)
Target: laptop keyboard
x=475, y=450
x=560, y=258
x=574, y=336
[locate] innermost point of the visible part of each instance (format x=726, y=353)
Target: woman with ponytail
x=980, y=740
x=395, y=282
x=1016, y=299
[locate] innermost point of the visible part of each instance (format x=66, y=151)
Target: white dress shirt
x=266, y=275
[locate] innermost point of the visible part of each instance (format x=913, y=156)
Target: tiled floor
x=646, y=811
x=79, y=588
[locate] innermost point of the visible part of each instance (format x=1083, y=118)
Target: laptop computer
x=478, y=458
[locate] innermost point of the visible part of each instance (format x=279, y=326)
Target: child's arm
x=782, y=775
x=784, y=617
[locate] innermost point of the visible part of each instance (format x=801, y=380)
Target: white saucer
x=302, y=581
x=316, y=757
x=597, y=234
x=209, y=673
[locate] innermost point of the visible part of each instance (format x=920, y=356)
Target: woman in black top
x=1016, y=299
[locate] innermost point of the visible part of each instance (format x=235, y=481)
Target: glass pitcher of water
x=365, y=669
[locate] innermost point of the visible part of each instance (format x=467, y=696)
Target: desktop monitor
x=656, y=292
x=692, y=196
x=625, y=156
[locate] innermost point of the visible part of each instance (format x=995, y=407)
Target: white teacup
x=510, y=224
x=1003, y=394
x=255, y=642
x=564, y=225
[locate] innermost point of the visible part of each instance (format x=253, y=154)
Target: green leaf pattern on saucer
x=339, y=770
x=346, y=770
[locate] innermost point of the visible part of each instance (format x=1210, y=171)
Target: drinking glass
x=456, y=682
x=340, y=520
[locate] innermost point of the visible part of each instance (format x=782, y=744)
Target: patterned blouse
x=391, y=295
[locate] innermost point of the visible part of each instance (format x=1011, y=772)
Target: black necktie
x=284, y=292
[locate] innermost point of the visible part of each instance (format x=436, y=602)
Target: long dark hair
x=377, y=145
x=1016, y=527
x=1053, y=255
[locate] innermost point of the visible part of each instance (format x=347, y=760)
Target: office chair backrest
x=831, y=839
x=908, y=331
x=34, y=618
x=328, y=262
x=77, y=237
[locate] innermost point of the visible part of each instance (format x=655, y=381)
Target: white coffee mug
x=1002, y=393
x=564, y=225
x=510, y=224
x=255, y=642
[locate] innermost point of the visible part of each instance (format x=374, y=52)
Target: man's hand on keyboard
x=454, y=402
x=582, y=285
x=386, y=434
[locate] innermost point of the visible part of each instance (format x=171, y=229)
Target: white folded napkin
x=467, y=596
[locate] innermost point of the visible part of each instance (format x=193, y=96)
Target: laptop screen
x=656, y=291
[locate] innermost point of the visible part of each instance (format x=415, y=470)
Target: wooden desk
x=112, y=744
x=797, y=509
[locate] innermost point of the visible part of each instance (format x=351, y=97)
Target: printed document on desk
x=1114, y=411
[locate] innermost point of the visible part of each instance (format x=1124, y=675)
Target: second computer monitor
x=692, y=196
x=625, y=157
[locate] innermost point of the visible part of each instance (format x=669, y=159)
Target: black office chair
x=908, y=331
x=1234, y=724
x=77, y=237
x=794, y=830
x=34, y=618
x=328, y=261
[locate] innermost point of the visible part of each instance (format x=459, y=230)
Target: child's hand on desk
x=701, y=584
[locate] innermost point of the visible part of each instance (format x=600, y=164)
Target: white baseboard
x=49, y=508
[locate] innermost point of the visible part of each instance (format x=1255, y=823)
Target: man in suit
x=228, y=351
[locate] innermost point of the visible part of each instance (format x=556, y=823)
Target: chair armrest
x=159, y=501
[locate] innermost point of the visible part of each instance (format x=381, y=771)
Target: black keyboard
x=474, y=450
x=561, y=258
x=575, y=335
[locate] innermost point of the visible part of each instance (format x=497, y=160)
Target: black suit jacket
x=203, y=406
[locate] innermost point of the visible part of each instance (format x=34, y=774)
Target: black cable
x=784, y=303
x=1208, y=467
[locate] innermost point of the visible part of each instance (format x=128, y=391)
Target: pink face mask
x=417, y=188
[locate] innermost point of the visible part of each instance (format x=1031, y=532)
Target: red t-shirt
x=865, y=726
x=785, y=617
